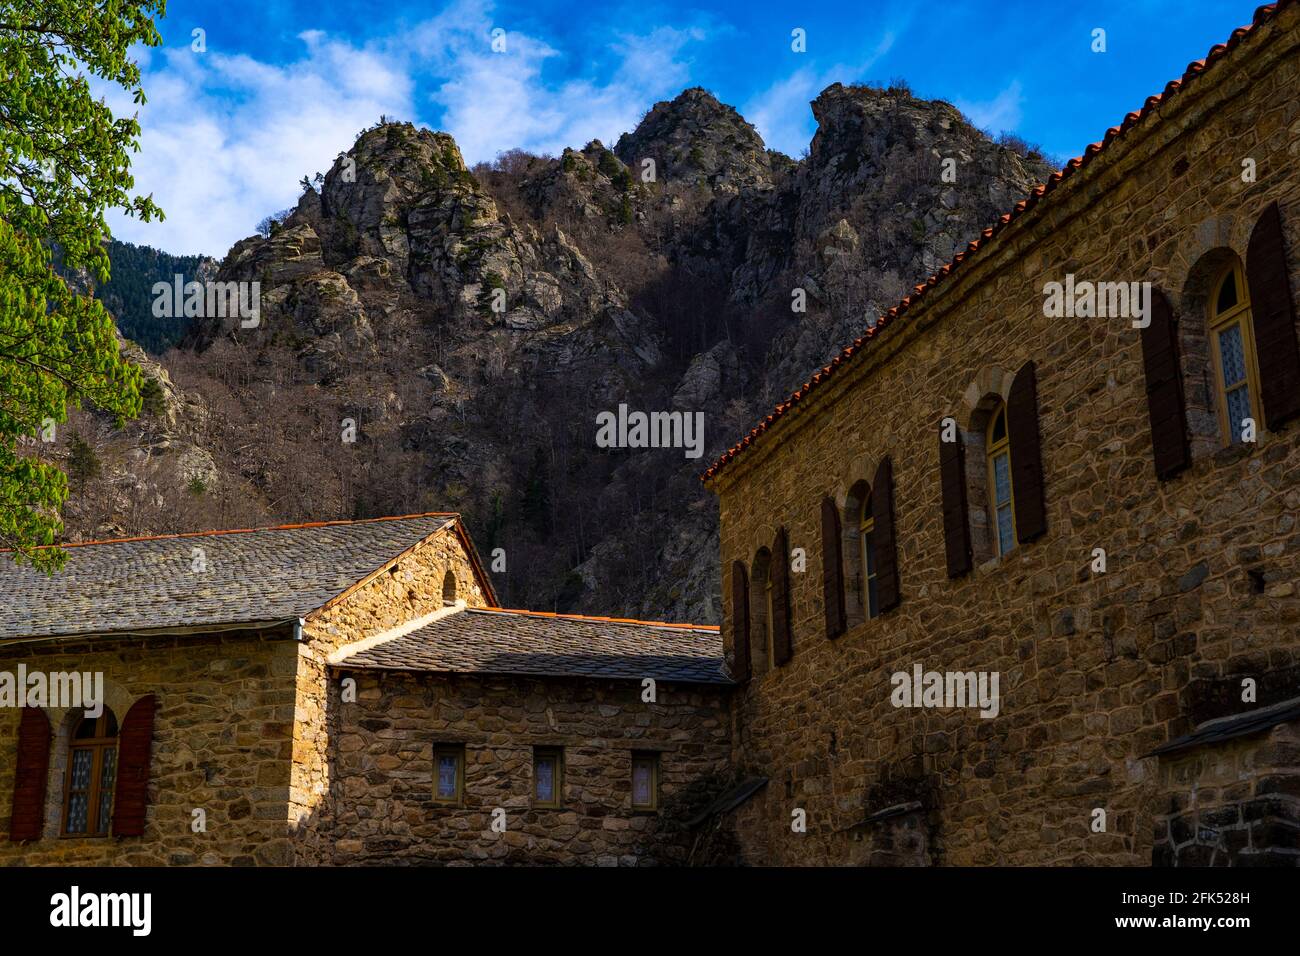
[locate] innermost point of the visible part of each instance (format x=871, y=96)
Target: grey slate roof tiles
x=479, y=640
x=269, y=574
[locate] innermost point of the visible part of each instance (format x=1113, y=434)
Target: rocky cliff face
x=436, y=338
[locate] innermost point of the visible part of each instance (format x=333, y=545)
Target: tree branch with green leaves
x=64, y=161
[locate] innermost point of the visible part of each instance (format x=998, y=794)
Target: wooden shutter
x=31, y=771
x=1026, y=455
x=882, y=516
x=956, y=523
x=782, y=640
x=739, y=620
x=134, y=743
x=833, y=570
x=1273, y=314
x=1165, y=406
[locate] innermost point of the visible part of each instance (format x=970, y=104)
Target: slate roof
x=1194, y=70
x=253, y=576
x=495, y=641
x=1229, y=728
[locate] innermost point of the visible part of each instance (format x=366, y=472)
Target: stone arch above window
x=1197, y=353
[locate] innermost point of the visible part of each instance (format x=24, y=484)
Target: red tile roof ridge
x=1195, y=68
x=221, y=531
x=709, y=628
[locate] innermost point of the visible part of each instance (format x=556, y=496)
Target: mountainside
x=468, y=326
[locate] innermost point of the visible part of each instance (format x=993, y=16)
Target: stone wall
x=1096, y=669
x=382, y=777
x=408, y=589
x=1232, y=804
x=222, y=740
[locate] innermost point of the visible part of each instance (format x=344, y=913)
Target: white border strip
x=348, y=650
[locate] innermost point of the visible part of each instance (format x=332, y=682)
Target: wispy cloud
x=1000, y=114
x=781, y=113
x=225, y=138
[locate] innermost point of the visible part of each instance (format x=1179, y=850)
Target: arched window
x=92, y=772
x=760, y=613
x=448, y=589
x=867, y=558
x=1232, y=343
x=1001, y=493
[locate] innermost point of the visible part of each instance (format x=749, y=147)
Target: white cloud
x=1000, y=114
x=782, y=114
x=225, y=138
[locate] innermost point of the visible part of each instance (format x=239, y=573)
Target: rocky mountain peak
x=696, y=139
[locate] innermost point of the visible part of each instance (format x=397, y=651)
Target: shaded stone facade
x=382, y=774
x=1097, y=668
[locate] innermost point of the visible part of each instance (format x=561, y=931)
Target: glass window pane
x=1238, y=410
x=642, y=783
x=544, y=774
x=1227, y=292
x=1002, y=479
x=82, y=760
x=77, y=807
x=108, y=768
x=447, y=776
x=1232, y=356
x=1000, y=426
x=105, y=811
x=1006, y=536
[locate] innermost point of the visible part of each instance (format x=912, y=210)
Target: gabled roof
x=1037, y=195
x=531, y=643
x=253, y=576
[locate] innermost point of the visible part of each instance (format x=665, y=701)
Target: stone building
x=1034, y=485
x=339, y=693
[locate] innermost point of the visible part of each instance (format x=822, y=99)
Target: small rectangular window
x=449, y=773
x=548, y=776
x=645, y=781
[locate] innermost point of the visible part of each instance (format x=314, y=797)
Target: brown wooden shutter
x=782, y=639
x=134, y=743
x=739, y=620
x=1026, y=455
x=833, y=570
x=956, y=523
x=1273, y=314
x=31, y=771
x=882, y=516
x=1165, y=406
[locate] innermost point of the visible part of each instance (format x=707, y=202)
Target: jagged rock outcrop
x=436, y=338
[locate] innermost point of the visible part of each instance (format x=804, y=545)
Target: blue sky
x=282, y=87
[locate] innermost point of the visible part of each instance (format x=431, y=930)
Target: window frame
x=457, y=751
x=557, y=781
x=768, y=591
x=992, y=451
x=867, y=559
x=1217, y=323
x=98, y=745
x=652, y=758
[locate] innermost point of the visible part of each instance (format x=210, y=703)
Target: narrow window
x=1001, y=493
x=1232, y=338
x=768, y=591
x=866, y=542
x=92, y=771
x=448, y=589
x=645, y=781
x=449, y=773
x=548, y=776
